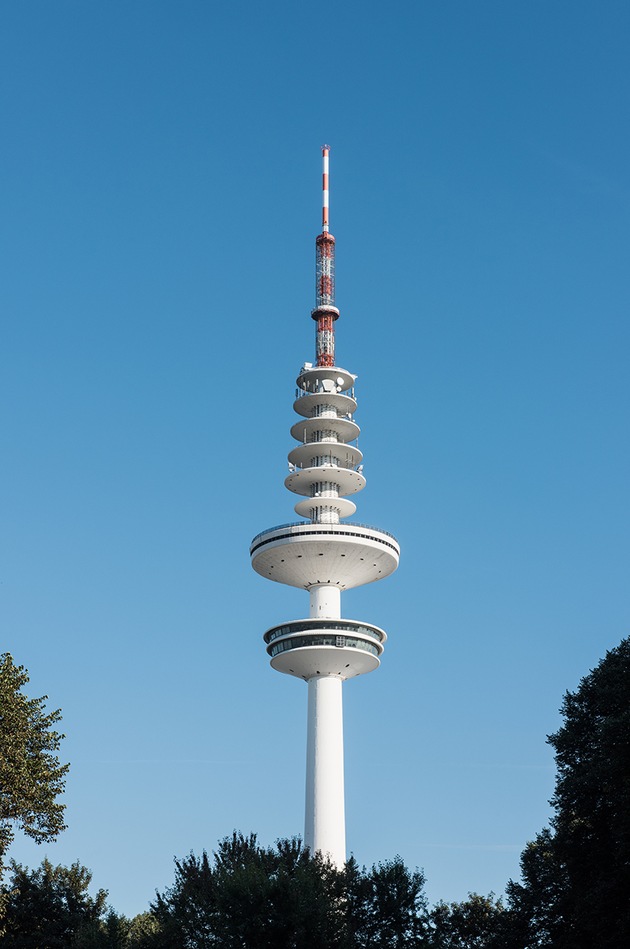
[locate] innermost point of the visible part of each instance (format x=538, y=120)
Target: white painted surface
x=310, y=507
x=346, y=555
x=325, y=602
x=338, y=405
x=325, y=823
x=325, y=452
x=345, y=429
x=307, y=661
x=346, y=480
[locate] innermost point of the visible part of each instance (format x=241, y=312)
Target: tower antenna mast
x=325, y=312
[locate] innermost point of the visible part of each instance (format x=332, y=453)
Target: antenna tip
x=325, y=148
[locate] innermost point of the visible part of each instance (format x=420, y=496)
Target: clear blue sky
x=160, y=174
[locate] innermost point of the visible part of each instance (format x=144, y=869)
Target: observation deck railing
x=313, y=627
x=332, y=460
x=333, y=528
x=299, y=393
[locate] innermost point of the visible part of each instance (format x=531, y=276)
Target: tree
x=284, y=897
x=576, y=875
x=50, y=907
x=142, y=930
x=117, y=932
x=31, y=777
x=480, y=922
x=386, y=906
x=252, y=897
x=538, y=902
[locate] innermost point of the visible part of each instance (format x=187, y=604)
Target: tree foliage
x=49, y=907
x=117, y=932
x=386, y=906
x=249, y=895
x=283, y=897
x=31, y=777
x=480, y=922
x=576, y=875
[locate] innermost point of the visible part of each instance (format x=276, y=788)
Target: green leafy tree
x=112, y=932
x=283, y=897
x=31, y=777
x=480, y=922
x=143, y=929
x=252, y=897
x=386, y=906
x=50, y=907
x=117, y=932
x=539, y=902
x=576, y=875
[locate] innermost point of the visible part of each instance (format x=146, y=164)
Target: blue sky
x=160, y=198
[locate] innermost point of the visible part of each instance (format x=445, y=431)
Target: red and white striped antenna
x=325, y=312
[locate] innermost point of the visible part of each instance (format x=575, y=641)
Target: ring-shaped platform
x=347, y=480
x=335, y=453
x=344, y=429
x=343, y=405
x=346, y=508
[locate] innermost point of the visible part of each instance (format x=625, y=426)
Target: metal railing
x=330, y=461
x=313, y=627
x=335, y=527
x=349, y=393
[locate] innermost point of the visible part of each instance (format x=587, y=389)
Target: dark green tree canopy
x=49, y=907
x=252, y=897
x=31, y=777
x=480, y=922
x=385, y=906
x=576, y=875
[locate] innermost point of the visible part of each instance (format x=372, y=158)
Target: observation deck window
x=303, y=626
x=298, y=642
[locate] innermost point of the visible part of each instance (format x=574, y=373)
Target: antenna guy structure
x=324, y=554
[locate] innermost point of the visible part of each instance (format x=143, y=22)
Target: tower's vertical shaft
x=324, y=814
x=324, y=819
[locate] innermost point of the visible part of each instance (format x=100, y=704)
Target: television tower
x=325, y=556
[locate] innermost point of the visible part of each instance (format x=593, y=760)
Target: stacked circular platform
x=324, y=555
x=325, y=465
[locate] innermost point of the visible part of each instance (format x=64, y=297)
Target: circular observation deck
x=344, y=507
x=325, y=379
x=324, y=647
x=344, y=430
x=325, y=452
x=308, y=403
x=343, y=555
x=347, y=480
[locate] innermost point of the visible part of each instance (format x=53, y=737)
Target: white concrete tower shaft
x=325, y=812
x=325, y=556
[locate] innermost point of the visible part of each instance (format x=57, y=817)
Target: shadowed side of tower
x=325, y=556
